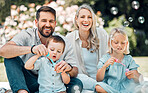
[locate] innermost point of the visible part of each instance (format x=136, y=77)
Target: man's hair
x=56, y=39
x=45, y=9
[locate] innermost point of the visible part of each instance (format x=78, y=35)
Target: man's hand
x=40, y=50
x=62, y=66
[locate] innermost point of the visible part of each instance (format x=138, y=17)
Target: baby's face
x=119, y=43
x=55, y=50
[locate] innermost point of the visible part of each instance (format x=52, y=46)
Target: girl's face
x=119, y=43
x=84, y=20
x=55, y=50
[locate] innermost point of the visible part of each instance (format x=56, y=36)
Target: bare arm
x=65, y=78
x=30, y=63
x=73, y=72
x=100, y=74
x=10, y=49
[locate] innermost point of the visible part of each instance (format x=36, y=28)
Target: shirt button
x=52, y=91
x=52, y=83
x=52, y=66
x=52, y=74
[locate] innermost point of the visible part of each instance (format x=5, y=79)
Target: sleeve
x=68, y=54
x=21, y=38
x=38, y=64
x=102, y=62
x=103, y=39
x=132, y=65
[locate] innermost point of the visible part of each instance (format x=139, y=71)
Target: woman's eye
x=52, y=49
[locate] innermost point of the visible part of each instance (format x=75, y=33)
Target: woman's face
x=84, y=20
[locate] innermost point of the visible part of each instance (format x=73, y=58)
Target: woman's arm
x=30, y=63
x=65, y=78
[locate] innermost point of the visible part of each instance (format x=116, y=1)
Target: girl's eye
x=115, y=42
x=89, y=17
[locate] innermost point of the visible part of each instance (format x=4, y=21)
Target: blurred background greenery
x=131, y=14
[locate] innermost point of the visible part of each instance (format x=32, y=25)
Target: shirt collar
x=77, y=35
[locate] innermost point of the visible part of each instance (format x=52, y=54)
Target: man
x=32, y=41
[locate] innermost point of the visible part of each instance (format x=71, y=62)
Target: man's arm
x=10, y=49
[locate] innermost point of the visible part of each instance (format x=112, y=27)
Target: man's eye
x=52, y=21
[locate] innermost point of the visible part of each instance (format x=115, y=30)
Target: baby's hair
x=56, y=39
x=111, y=35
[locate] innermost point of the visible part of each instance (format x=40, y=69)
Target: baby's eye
x=89, y=17
x=122, y=42
x=59, y=51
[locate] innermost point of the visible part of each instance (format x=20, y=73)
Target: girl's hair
x=56, y=39
x=111, y=35
x=94, y=41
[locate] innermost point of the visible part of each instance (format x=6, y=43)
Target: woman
x=89, y=43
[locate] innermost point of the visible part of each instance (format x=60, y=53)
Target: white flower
x=37, y=7
x=67, y=27
x=31, y=9
x=61, y=19
x=53, y=4
x=60, y=2
x=23, y=8
x=13, y=12
x=57, y=29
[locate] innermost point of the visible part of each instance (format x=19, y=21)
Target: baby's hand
x=110, y=62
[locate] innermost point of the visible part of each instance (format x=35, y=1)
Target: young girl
x=49, y=80
x=117, y=70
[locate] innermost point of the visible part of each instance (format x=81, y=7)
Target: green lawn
x=142, y=61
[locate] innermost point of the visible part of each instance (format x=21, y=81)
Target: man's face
x=46, y=24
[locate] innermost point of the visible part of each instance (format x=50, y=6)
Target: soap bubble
x=114, y=10
x=126, y=23
x=141, y=19
x=130, y=19
x=135, y=4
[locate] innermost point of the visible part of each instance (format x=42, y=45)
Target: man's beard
x=41, y=31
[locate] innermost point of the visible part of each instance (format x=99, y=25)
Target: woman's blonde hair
x=111, y=35
x=94, y=41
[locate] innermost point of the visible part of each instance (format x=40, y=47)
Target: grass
x=142, y=61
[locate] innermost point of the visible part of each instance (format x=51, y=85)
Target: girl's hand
x=110, y=62
x=131, y=74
